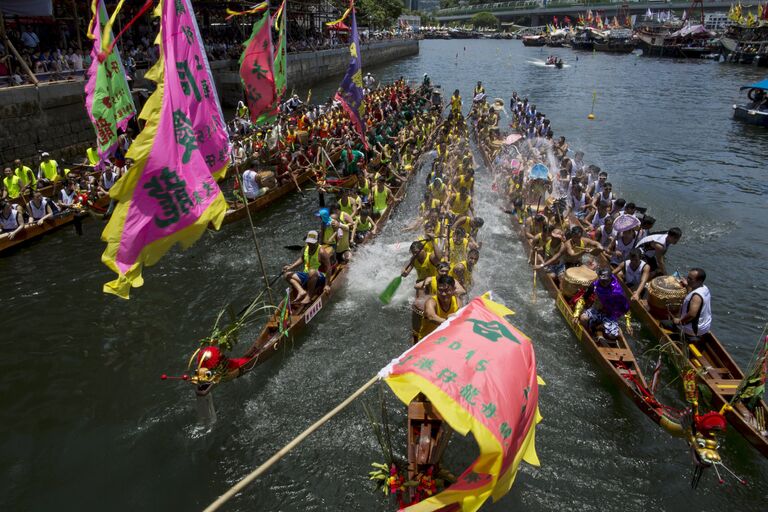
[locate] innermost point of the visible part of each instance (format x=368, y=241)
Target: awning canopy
x=339, y=27
x=763, y=84
x=26, y=7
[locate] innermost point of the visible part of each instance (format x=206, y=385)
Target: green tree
x=445, y=4
x=484, y=19
x=379, y=13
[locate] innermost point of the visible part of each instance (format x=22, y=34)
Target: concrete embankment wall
x=52, y=117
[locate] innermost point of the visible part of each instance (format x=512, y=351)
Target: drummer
x=696, y=312
x=634, y=272
x=610, y=304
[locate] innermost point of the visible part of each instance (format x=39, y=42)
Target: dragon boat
x=732, y=392
x=211, y=366
x=619, y=362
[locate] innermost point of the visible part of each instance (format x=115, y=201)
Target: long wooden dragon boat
x=716, y=369
x=278, y=330
x=619, y=362
x=34, y=231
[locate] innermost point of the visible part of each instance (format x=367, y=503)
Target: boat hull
x=754, y=117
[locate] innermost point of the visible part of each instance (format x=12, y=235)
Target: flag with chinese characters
x=257, y=71
x=108, y=98
x=281, y=59
x=350, y=93
x=170, y=194
x=479, y=372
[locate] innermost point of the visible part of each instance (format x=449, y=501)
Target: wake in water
x=543, y=64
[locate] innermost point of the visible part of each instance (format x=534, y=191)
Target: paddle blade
x=389, y=292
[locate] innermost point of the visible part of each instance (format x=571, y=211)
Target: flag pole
x=253, y=231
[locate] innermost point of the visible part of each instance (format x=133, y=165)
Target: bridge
x=536, y=12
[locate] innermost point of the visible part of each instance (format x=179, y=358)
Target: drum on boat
x=267, y=179
x=303, y=137
x=576, y=278
x=665, y=294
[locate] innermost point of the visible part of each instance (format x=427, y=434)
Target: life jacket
x=424, y=269
x=13, y=186
x=50, y=169
x=380, y=199
x=311, y=261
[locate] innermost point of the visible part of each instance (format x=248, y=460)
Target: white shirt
x=703, y=322
x=250, y=184
x=77, y=61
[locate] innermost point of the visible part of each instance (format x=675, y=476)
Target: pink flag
x=170, y=194
x=257, y=71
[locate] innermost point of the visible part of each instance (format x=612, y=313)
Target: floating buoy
x=591, y=115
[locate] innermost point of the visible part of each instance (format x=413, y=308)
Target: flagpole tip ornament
x=591, y=117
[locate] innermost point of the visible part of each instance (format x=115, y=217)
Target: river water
x=87, y=423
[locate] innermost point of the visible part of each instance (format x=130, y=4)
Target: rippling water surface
x=88, y=424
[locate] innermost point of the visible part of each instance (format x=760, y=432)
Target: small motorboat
x=755, y=111
x=554, y=61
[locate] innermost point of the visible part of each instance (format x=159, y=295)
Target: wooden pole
x=242, y=484
x=77, y=25
x=253, y=232
x=8, y=43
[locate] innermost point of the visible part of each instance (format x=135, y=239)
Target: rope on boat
x=242, y=484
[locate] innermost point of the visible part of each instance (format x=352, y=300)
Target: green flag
x=281, y=66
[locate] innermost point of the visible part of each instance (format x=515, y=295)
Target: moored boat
x=756, y=111
x=534, y=40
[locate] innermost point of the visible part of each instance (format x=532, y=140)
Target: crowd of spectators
x=52, y=50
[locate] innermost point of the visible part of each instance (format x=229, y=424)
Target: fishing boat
x=746, y=45
x=756, y=111
x=534, y=40
x=665, y=40
x=615, y=41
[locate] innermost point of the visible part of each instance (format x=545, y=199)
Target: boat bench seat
x=616, y=354
x=423, y=411
x=726, y=386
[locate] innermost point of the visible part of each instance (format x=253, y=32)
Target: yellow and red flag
x=170, y=194
x=479, y=372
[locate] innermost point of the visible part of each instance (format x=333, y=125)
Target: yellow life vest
x=50, y=169
x=328, y=232
x=380, y=200
x=427, y=326
x=311, y=261
x=12, y=184
x=426, y=268
x=457, y=252
x=460, y=206
x=349, y=207
x=25, y=175
x=93, y=156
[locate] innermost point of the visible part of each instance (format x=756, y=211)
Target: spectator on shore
x=28, y=38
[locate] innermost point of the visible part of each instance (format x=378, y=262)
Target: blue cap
x=325, y=215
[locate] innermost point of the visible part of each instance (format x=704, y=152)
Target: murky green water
x=87, y=423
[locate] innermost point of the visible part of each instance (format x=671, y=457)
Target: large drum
x=303, y=137
x=665, y=294
x=267, y=179
x=575, y=279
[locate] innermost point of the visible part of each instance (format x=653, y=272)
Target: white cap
x=45, y=154
x=311, y=237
